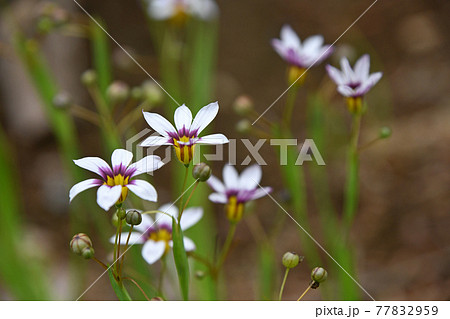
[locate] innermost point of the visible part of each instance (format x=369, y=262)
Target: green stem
x=289, y=107
x=189, y=198
x=226, y=247
x=186, y=173
x=282, y=285
x=126, y=245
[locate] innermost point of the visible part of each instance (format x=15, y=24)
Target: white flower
x=185, y=136
x=354, y=82
x=156, y=235
x=290, y=48
x=178, y=9
x=116, y=181
x=237, y=189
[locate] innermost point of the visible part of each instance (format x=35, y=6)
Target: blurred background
x=401, y=233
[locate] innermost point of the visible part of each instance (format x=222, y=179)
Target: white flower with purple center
x=114, y=183
x=179, y=10
x=156, y=235
x=354, y=83
x=300, y=55
x=236, y=190
x=186, y=134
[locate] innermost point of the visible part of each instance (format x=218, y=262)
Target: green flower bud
x=291, y=260
x=137, y=93
x=89, y=78
x=88, y=253
x=243, y=105
x=319, y=275
x=385, y=132
x=201, y=172
x=80, y=242
x=244, y=126
x=133, y=217
x=121, y=213
x=115, y=220
x=152, y=92
x=118, y=92
x=62, y=100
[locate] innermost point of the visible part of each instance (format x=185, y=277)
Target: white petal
x=159, y=124
x=261, y=192
x=107, y=196
x=190, y=217
x=161, y=9
x=335, y=74
x=289, y=37
x=216, y=184
x=163, y=219
x=156, y=141
x=369, y=83
x=362, y=67
x=147, y=222
x=204, y=9
x=312, y=44
x=153, y=250
x=213, y=139
x=345, y=90
x=121, y=157
x=347, y=70
x=148, y=164
x=82, y=186
x=219, y=198
x=94, y=164
x=135, y=238
x=204, y=117
x=188, y=244
x=183, y=118
x=250, y=177
x=143, y=189
x=230, y=177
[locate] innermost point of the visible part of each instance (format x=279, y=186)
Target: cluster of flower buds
x=81, y=245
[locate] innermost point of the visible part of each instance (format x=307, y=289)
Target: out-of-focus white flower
x=185, y=136
x=116, y=181
x=354, y=83
x=236, y=190
x=178, y=10
x=302, y=55
x=156, y=235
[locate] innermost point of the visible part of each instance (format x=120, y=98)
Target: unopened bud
x=137, y=93
x=152, y=92
x=201, y=172
x=121, y=213
x=291, y=260
x=133, y=217
x=243, y=105
x=199, y=274
x=80, y=242
x=319, y=275
x=115, y=220
x=244, y=126
x=385, y=132
x=62, y=100
x=89, y=78
x=88, y=253
x=118, y=92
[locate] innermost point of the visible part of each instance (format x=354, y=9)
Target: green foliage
x=180, y=257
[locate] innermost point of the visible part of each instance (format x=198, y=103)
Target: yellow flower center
x=234, y=209
x=119, y=180
x=354, y=104
x=296, y=75
x=162, y=234
x=185, y=153
x=180, y=16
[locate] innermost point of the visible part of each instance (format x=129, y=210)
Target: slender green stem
x=126, y=245
x=201, y=259
x=369, y=144
x=118, y=249
x=282, y=285
x=226, y=246
x=289, y=107
x=186, y=173
x=304, y=293
x=137, y=285
x=352, y=193
x=100, y=263
x=189, y=198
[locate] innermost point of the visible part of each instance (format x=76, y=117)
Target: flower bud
x=115, y=220
x=137, y=93
x=133, y=217
x=152, y=92
x=244, y=126
x=319, y=275
x=62, y=100
x=243, y=105
x=88, y=253
x=201, y=172
x=290, y=260
x=89, y=78
x=385, y=132
x=118, y=92
x=121, y=213
x=199, y=274
x=80, y=242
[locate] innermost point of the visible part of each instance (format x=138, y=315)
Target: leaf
x=118, y=287
x=180, y=257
